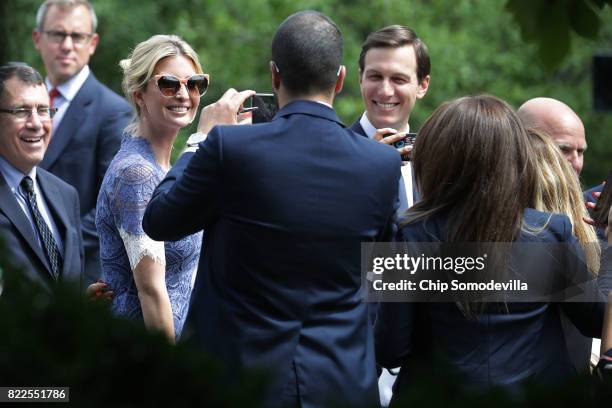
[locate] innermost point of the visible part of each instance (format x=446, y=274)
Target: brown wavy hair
x=472, y=161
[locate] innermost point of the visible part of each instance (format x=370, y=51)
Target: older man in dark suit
x=39, y=213
x=90, y=120
x=285, y=206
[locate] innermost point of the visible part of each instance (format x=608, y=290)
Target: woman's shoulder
x=431, y=229
x=545, y=226
x=131, y=165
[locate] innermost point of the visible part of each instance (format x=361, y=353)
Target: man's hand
x=590, y=205
x=389, y=136
x=224, y=111
x=99, y=290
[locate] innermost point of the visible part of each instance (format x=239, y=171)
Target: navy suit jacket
x=504, y=347
x=356, y=127
x=81, y=150
x=285, y=206
x=21, y=239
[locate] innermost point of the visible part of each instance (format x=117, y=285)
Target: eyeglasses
x=169, y=85
x=58, y=37
x=44, y=113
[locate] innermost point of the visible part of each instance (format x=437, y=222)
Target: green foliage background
x=476, y=46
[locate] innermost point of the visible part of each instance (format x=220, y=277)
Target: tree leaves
x=548, y=24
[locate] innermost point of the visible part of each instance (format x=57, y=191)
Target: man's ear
x=36, y=38
x=276, y=81
x=93, y=43
x=423, y=87
x=340, y=80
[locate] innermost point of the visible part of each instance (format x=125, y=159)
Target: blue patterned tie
x=49, y=243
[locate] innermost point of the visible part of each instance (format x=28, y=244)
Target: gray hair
x=64, y=4
x=23, y=71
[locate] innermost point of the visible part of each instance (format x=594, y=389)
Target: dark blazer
x=81, y=150
x=21, y=240
x=357, y=128
x=285, y=206
x=503, y=347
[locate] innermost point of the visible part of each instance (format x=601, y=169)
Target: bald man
x=560, y=122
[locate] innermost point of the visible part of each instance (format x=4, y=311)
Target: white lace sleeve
x=139, y=246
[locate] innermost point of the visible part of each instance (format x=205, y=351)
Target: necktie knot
x=52, y=95
x=28, y=185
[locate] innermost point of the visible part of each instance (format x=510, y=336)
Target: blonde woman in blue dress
x=164, y=81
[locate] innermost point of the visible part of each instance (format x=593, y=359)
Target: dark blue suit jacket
x=356, y=127
x=285, y=206
x=81, y=150
x=503, y=347
x=21, y=239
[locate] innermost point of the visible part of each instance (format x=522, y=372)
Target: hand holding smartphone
x=602, y=208
x=405, y=140
x=263, y=106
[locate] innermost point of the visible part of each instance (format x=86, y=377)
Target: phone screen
x=266, y=105
x=602, y=208
x=407, y=140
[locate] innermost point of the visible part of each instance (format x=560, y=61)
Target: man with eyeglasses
x=90, y=119
x=39, y=213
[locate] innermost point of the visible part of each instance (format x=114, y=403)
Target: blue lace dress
x=125, y=192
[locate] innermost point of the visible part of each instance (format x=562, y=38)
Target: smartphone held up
x=263, y=107
x=406, y=139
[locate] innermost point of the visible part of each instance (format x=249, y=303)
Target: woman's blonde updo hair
x=139, y=66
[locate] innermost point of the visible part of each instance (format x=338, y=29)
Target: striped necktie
x=49, y=244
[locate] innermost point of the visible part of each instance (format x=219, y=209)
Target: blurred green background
x=514, y=49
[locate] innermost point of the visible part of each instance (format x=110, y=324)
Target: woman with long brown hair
x=475, y=169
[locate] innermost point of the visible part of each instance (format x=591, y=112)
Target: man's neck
x=284, y=99
x=400, y=127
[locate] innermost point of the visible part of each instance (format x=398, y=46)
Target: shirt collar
x=13, y=176
x=69, y=89
x=370, y=129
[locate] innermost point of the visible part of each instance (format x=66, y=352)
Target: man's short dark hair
x=307, y=49
x=395, y=36
x=23, y=71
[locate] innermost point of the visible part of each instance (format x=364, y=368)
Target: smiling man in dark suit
x=90, y=120
x=285, y=206
x=39, y=213
x=394, y=73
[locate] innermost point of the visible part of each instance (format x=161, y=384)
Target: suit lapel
x=56, y=205
x=74, y=116
x=357, y=128
x=13, y=211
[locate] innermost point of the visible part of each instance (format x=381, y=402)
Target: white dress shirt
x=13, y=178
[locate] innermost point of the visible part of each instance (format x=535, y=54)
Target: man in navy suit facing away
x=90, y=119
x=285, y=206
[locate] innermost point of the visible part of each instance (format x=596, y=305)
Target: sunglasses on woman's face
x=169, y=85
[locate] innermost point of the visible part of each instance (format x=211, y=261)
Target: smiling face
x=169, y=113
x=65, y=59
x=389, y=86
x=23, y=142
